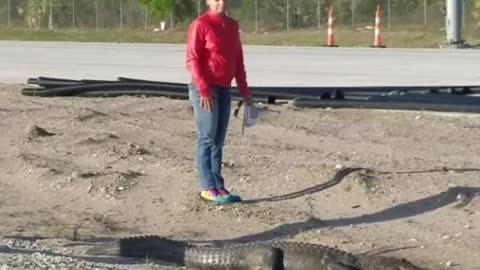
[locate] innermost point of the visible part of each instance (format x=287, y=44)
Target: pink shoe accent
x=223, y=192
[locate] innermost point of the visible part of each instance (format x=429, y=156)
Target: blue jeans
x=211, y=129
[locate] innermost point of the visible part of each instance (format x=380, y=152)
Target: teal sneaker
x=228, y=196
x=213, y=196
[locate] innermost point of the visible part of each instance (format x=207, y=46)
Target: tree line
x=273, y=14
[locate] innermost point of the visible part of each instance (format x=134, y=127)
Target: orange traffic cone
x=377, y=40
x=331, y=27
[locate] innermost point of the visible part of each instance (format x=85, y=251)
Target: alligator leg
x=264, y=258
x=341, y=266
x=387, y=263
x=254, y=258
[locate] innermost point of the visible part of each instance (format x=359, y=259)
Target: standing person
x=214, y=57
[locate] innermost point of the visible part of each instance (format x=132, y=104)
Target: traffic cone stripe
x=330, y=31
x=377, y=42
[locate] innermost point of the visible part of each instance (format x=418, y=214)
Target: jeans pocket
x=192, y=93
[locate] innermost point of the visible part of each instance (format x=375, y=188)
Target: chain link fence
x=253, y=15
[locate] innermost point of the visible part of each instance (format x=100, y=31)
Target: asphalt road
x=265, y=65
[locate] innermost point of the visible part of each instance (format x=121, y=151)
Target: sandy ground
x=388, y=182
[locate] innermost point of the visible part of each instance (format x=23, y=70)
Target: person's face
x=217, y=6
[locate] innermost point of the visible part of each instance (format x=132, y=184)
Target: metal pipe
x=391, y=104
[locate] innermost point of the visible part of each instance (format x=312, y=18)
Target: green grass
x=405, y=37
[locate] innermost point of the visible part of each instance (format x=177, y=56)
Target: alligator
x=261, y=255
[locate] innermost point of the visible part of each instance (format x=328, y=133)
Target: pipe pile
x=459, y=98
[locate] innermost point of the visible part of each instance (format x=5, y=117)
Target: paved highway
x=318, y=66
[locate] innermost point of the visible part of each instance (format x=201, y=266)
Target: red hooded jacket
x=214, y=53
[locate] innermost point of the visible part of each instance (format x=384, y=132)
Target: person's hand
x=248, y=100
x=206, y=103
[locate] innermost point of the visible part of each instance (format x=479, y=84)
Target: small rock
x=36, y=131
x=229, y=164
x=446, y=236
x=261, y=106
x=338, y=166
x=449, y=264
x=412, y=240
x=418, y=117
x=468, y=226
x=245, y=179
x=120, y=188
x=356, y=206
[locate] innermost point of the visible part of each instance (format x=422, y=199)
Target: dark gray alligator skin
x=271, y=255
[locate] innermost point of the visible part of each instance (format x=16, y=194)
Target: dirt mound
x=361, y=180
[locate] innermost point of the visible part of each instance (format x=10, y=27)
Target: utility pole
x=389, y=8
x=73, y=14
x=288, y=15
x=454, y=24
x=425, y=12
x=318, y=14
x=353, y=12
x=50, y=17
x=96, y=15
x=146, y=18
x=121, y=15
x=256, y=16
x=8, y=13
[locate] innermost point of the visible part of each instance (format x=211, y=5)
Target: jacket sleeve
x=240, y=74
x=195, y=44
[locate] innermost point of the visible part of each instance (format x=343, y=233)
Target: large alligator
x=267, y=255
